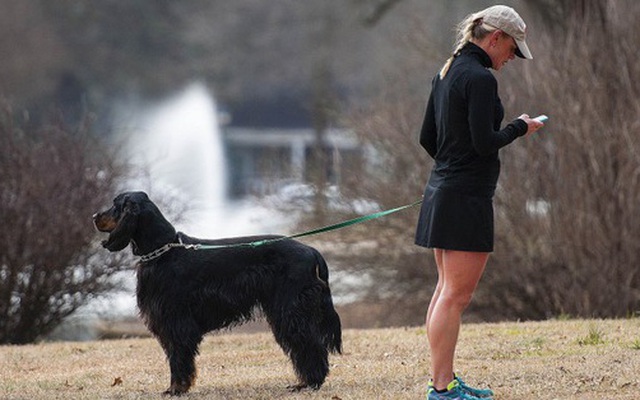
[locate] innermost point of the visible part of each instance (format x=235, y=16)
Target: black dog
x=184, y=293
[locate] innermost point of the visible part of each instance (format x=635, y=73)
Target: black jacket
x=461, y=128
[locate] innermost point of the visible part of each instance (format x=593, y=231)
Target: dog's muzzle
x=104, y=223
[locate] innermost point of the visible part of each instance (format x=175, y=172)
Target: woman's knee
x=458, y=299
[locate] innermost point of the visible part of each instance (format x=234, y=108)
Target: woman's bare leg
x=461, y=272
x=437, y=253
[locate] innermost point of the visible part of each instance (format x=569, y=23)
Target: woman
x=461, y=132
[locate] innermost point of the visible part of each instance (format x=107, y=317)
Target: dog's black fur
x=185, y=293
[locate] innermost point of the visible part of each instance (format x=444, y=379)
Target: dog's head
x=121, y=220
x=134, y=219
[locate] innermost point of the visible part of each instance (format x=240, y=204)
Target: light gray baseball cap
x=509, y=21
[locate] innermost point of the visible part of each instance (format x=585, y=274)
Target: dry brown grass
x=593, y=359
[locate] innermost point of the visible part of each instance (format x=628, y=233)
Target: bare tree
x=374, y=10
x=52, y=182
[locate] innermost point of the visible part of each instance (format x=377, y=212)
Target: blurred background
x=250, y=117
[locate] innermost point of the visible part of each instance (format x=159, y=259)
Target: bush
x=579, y=254
x=53, y=180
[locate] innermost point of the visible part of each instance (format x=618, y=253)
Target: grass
x=593, y=338
x=566, y=359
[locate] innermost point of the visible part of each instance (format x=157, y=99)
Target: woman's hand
x=532, y=124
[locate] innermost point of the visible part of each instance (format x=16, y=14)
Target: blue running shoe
x=481, y=393
x=454, y=392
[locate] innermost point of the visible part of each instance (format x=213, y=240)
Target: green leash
x=307, y=233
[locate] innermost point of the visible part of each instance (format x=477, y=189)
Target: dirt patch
x=592, y=359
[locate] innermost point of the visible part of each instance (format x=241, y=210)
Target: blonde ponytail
x=469, y=29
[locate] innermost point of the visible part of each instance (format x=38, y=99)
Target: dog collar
x=161, y=250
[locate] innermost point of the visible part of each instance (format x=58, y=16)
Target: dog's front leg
x=181, y=353
x=183, y=371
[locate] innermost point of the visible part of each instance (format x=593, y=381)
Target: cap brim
x=523, y=50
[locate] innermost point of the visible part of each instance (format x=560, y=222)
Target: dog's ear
x=122, y=235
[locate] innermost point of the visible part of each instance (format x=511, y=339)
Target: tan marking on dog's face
x=104, y=223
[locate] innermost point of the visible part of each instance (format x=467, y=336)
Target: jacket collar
x=475, y=51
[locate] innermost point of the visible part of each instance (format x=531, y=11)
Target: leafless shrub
x=403, y=274
x=578, y=254
x=53, y=180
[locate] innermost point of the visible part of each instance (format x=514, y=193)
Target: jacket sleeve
x=428, y=133
x=482, y=93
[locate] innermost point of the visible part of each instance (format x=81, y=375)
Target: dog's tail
x=330, y=327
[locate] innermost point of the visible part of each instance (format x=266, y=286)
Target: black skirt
x=455, y=220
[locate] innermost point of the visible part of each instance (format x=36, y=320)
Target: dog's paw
x=296, y=388
x=176, y=390
x=300, y=387
x=170, y=392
